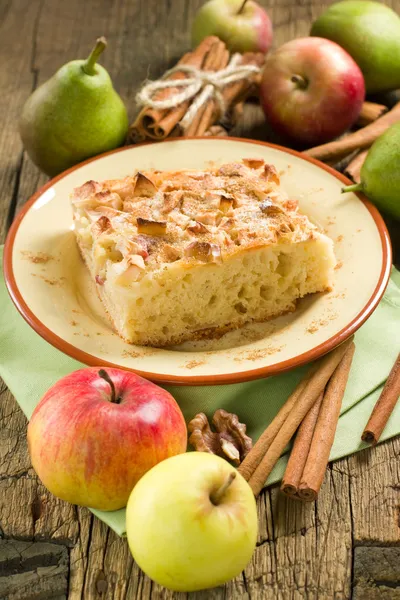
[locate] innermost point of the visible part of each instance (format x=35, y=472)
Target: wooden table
x=345, y=545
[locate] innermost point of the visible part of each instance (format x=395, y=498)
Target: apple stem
x=241, y=9
x=356, y=187
x=217, y=496
x=88, y=65
x=300, y=81
x=104, y=375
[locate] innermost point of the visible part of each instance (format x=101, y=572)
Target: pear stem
x=104, y=375
x=357, y=187
x=89, y=64
x=217, y=496
x=241, y=9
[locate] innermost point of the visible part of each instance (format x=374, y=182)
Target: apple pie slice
x=187, y=254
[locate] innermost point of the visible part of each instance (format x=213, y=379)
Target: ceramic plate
x=53, y=291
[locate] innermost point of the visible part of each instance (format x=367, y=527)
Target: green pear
x=74, y=115
x=370, y=32
x=380, y=173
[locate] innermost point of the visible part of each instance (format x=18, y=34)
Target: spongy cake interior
x=172, y=305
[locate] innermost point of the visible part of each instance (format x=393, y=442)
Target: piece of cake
x=188, y=254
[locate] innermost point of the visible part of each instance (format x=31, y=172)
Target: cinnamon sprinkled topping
x=187, y=215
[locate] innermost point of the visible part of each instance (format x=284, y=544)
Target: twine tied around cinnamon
x=201, y=86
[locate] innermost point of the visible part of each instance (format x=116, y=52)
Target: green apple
x=243, y=25
x=191, y=522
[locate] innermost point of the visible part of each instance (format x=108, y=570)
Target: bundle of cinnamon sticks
x=211, y=55
x=374, y=120
x=314, y=408
x=312, y=413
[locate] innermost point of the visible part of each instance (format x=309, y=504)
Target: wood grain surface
x=345, y=545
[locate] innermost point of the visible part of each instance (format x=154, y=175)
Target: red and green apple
x=311, y=90
x=96, y=432
x=243, y=25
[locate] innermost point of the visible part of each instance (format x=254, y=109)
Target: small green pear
x=370, y=32
x=380, y=173
x=74, y=115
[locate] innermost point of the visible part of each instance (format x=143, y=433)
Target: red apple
x=311, y=90
x=243, y=25
x=97, y=431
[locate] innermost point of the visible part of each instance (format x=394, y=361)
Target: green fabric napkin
x=29, y=366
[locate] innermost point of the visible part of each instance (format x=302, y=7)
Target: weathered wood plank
x=375, y=494
x=33, y=570
x=17, y=33
x=27, y=510
x=309, y=552
x=376, y=573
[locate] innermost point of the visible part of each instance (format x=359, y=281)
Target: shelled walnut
x=229, y=440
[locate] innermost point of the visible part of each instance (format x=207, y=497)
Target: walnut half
x=229, y=440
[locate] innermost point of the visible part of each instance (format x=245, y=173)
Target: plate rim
x=198, y=380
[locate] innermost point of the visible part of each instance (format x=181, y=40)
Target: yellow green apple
x=192, y=522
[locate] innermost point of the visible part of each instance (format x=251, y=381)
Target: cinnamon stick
x=216, y=60
x=384, y=406
x=325, y=429
x=305, y=401
x=256, y=454
x=353, y=169
x=299, y=453
x=363, y=138
x=238, y=91
x=370, y=112
x=231, y=94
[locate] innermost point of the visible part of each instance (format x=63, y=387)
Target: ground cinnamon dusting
x=192, y=364
x=136, y=354
x=318, y=323
x=132, y=354
x=49, y=281
x=254, y=355
x=36, y=258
